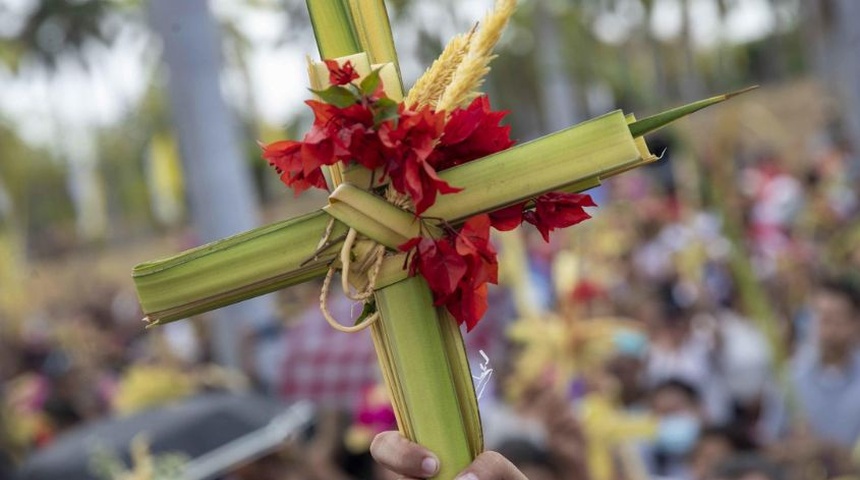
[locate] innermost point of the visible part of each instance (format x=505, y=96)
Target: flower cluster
x=357, y=123
x=457, y=268
x=551, y=211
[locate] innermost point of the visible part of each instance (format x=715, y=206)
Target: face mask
x=630, y=343
x=677, y=434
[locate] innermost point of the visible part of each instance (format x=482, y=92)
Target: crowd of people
x=706, y=338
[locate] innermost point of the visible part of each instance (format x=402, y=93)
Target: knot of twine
x=367, y=266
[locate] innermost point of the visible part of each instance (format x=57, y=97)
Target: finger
x=491, y=466
x=402, y=456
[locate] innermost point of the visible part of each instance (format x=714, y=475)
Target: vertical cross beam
x=415, y=340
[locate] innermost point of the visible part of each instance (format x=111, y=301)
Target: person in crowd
x=680, y=351
x=747, y=467
x=826, y=378
x=534, y=462
x=627, y=366
x=678, y=406
x=717, y=445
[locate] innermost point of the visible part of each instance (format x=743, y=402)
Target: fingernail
x=430, y=465
x=467, y=476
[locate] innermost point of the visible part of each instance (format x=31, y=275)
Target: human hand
x=565, y=438
x=414, y=461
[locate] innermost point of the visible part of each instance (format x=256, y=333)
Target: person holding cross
x=413, y=461
x=564, y=453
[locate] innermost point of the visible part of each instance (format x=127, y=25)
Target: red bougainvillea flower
x=410, y=142
x=439, y=263
x=344, y=135
x=508, y=218
x=458, y=269
x=318, y=149
x=471, y=133
x=559, y=210
x=341, y=75
x=362, y=145
x=473, y=244
x=469, y=306
x=287, y=158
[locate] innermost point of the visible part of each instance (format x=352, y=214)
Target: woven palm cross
x=419, y=345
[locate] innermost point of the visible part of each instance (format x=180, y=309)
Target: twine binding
x=368, y=266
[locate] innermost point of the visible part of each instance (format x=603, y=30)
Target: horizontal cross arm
x=281, y=255
x=229, y=271
x=584, y=153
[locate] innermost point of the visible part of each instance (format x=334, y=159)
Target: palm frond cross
x=419, y=344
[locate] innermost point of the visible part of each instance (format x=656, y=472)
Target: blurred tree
x=558, y=87
x=816, y=28
x=136, y=196
x=840, y=33
x=238, y=48
x=221, y=194
x=57, y=29
x=11, y=239
x=691, y=82
x=50, y=32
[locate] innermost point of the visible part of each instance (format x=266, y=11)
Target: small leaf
x=338, y=96
x=385, y=109
x=656, y=122
x=368, y=310
x=371, y=83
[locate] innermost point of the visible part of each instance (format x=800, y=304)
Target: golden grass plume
x=470, y=73
x=430, y=87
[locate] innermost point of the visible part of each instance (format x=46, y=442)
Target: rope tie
x=367, y=266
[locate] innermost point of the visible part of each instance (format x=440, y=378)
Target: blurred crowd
x=685, y=332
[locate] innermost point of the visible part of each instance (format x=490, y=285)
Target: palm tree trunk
x=846, y=40
x=815, y=38
x=221, y=195
x=692, y=84
x=560, y=104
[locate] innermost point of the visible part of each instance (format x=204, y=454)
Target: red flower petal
x=559, y=210
x=472, y=133
x=507, y=218
x=318, y=149
x=439, y=264
x=341, y=75
x=286, y=156
x=410, y=143
x=362, y=145
x=473, y=243
x=323, y=112
x=469, y=306
x=457, y=270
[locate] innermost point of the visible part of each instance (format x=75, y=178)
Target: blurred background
x=705, y=324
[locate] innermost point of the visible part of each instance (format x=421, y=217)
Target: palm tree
x=692, y=84
x=220, y=191
x=221, y=195
x=831, y=32
x=558, y=86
